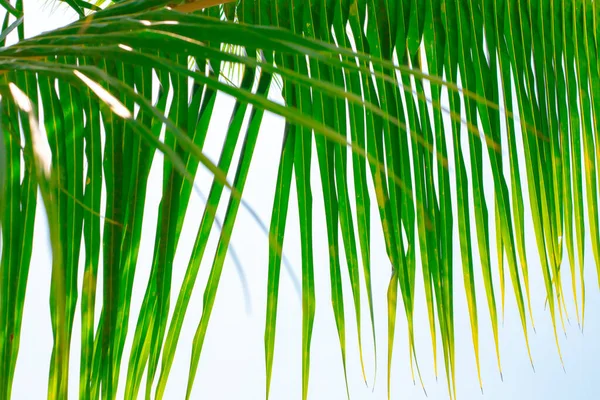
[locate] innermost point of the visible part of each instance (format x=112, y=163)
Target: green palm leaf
x=407, y=101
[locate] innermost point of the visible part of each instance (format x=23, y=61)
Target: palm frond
x=398, y=95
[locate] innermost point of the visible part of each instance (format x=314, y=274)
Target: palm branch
x=389, y=97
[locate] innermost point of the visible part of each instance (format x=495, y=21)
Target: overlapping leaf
x=368, y=76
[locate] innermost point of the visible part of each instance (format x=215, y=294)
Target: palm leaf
x=365, y=82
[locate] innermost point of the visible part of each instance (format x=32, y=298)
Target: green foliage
x=367, y=76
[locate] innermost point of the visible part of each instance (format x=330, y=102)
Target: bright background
x=232, y=362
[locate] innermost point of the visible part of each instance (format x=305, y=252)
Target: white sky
x=232, y=363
